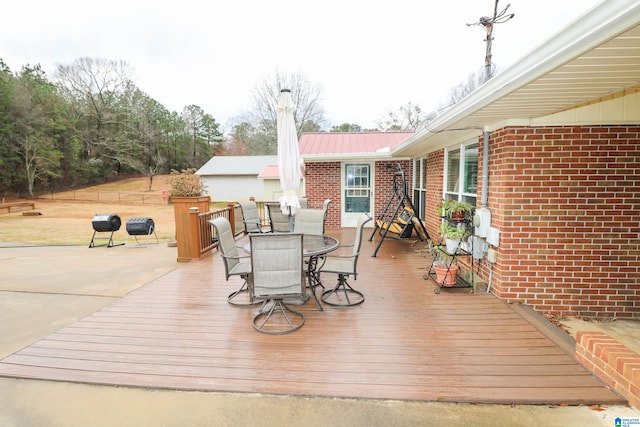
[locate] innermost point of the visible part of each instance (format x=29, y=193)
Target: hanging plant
x=455, y=210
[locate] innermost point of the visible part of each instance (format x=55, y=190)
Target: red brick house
x=548, y=151
x=355, y=170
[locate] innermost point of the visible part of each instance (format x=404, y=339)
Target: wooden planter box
x=186, y=238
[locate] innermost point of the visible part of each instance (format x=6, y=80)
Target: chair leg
x=241, y=297
x=294, y=319
x=342, y=295
x=314, y=279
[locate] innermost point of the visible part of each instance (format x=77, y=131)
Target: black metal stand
x=444, y=260
x=109, y=239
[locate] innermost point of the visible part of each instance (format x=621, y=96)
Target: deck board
x=405, y=342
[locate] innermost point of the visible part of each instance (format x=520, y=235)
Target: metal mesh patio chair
x=344, y=266
x=309, y=221
x=276, y=275
x=325, y=208
x=250, y=217
x=233, y=264
x=280, y=223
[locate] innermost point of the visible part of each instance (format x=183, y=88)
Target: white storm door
x=356, y=192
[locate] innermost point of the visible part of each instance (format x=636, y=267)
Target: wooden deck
x=405, y=342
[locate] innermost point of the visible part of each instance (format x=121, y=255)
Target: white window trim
x=462, y=148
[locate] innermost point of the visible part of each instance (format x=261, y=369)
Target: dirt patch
x=66, y=217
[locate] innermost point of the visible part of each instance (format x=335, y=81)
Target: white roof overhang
x=595, y=56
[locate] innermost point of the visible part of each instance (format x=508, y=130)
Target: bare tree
x=306, y=96
x=474, y=81
x=93, y=88
x=407, y=117
x=143, y=142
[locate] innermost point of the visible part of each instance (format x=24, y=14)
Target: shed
x=235, y=177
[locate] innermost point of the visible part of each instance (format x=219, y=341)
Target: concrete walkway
x=43, y=289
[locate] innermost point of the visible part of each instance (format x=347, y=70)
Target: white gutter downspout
x=485, y=171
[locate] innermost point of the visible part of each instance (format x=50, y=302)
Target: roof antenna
x=488, y=24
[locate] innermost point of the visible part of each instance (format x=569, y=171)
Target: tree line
x=90, y=123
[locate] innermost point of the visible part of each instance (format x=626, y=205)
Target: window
x=461, y=172
x=419, y=185
x=357, y=188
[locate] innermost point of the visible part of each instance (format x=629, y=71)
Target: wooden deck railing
x=263, y=212
x=206, y=240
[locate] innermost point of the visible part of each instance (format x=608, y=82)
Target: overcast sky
x=369, y=56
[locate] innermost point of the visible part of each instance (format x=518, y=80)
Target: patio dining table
x=314, y=246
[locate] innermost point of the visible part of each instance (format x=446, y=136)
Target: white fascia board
x=597, y=26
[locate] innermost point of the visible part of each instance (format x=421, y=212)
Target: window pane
x=357, y=194
x=461, y=180
x=470, y=172
x=453, y=170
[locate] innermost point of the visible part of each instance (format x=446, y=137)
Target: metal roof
x=343, y=145
x=269, y=172
x=595, y=56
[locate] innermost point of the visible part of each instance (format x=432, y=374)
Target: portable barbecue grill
x=141, y=226
x=105, y=223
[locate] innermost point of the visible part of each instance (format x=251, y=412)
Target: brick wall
x=385, y=171
x=433, y=197
x=567, y=203
x=323, y=181
x=612, y=362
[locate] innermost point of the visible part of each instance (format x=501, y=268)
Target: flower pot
x=452, y=245
x=445, y=273
x=458, y=215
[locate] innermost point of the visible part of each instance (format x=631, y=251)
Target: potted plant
x=453, y=233
x=455, y=210
x=186, y=192
x=185, y=184
x=444, y=268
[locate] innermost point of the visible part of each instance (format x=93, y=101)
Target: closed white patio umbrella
x=289, y=163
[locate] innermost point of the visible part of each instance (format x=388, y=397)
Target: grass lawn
x=66, y=217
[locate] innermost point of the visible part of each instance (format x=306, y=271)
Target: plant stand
x=445, y=271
